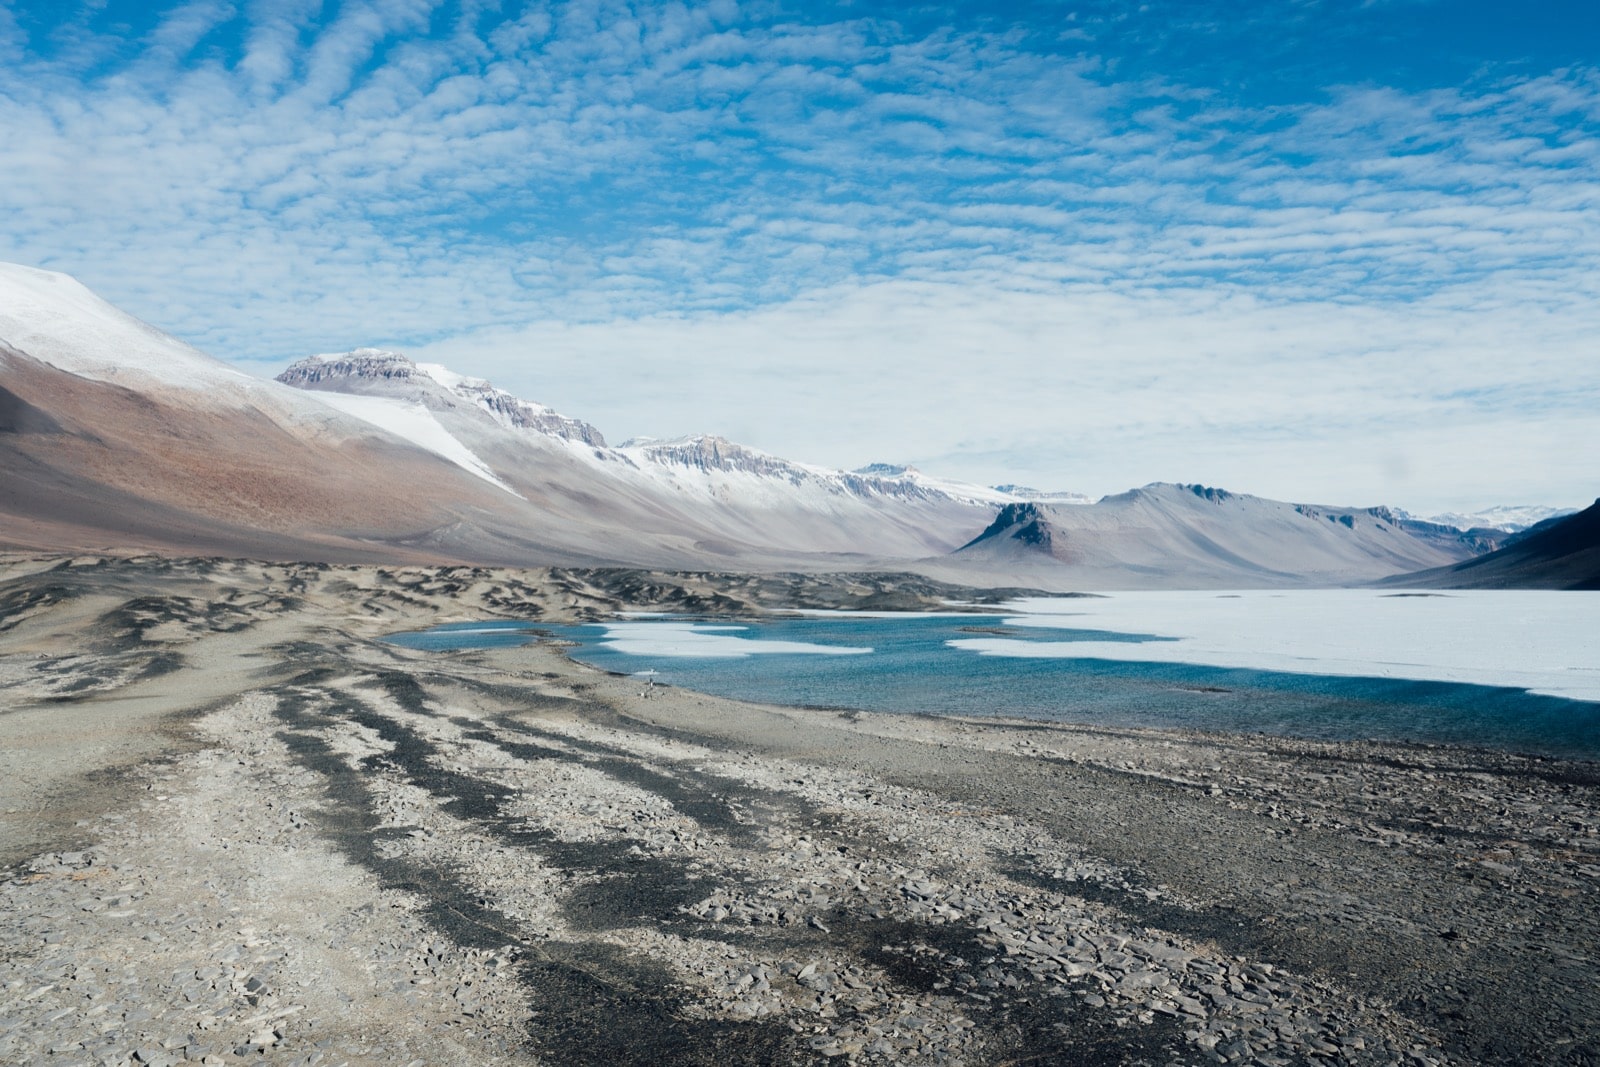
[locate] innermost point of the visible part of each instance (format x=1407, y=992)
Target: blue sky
x=1334, y=251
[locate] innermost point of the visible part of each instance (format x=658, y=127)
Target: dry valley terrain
x=237, y=827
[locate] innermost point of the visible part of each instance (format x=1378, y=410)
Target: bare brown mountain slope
x=87, y=464
x=118, y=436
x=95, y=465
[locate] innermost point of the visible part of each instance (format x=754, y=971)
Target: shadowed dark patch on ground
x=595, y=1004
x=87, y=678
x=590, y=1014
x=713, y=801
x=615, y=886
x=1037, y=1023
x=629, y=885
x=1236, y=932
x=1481, y=1032
x=25, y=597
x=159, y=665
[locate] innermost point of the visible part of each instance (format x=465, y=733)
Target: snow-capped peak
x=716, y=458
x=1512, y=518
x=56, y=319
x=451, y=380
x=368, y=363
x=377, y=371
x=1042, y=496
x=511, y=411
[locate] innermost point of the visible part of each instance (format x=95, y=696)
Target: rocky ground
x=237, y=828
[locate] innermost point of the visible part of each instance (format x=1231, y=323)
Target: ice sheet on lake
x=1545, y=642
x=702, y=641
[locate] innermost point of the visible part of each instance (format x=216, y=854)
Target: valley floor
x=235, y=827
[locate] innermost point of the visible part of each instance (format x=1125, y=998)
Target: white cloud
x=1093, y=391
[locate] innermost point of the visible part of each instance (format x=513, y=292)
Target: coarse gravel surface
x=238, y=828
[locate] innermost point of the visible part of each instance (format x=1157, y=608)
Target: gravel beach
x=236, y=827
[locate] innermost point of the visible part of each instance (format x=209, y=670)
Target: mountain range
x=116, y=436
x=1193, y=534
x=1562, y=552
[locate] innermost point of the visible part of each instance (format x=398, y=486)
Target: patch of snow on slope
x=412, y=422
x=963, y=492
x=1538, y=640
x=511, y=412
x=445, y=376
x=57, y=320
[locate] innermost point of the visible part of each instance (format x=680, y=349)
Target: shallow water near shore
x=1362, y=665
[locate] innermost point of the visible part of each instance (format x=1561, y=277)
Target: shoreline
x=1524, y=762
x=305, y=841
x=1484, y=752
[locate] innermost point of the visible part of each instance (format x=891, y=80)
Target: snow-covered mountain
x=58, y=321
x=389, y=389
x=1507, y=518
x=122, y=437
x=376, y=372
x=718, y=462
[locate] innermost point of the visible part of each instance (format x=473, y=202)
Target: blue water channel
x=911, y=668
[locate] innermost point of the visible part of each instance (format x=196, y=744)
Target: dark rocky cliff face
x=1479, y=539
x=1205, y=492
x=1565, y=553
x=712, y=453
x=328, y=373
x=1018, y=522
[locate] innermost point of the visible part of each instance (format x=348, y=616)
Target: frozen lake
x=1517, y=670
x=1542, y=641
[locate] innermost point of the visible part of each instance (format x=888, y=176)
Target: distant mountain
x=1023, y=492
x=1192, y=535
x=1558, y=553
x=1506, y=518
x=727, y=496
x=1476, y=540
x=710, y=455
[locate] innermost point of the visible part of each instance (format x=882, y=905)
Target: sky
x=1340, y=251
